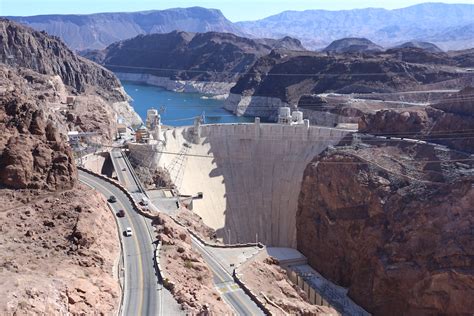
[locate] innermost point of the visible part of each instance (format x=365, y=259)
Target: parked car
x=128, y=232
x=121, y=213
x=112, y=199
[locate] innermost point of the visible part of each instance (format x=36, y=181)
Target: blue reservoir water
x=180, y=108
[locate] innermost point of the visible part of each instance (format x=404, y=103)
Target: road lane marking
x=222, y=269
x=140, y=306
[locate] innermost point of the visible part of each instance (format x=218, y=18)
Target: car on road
x=112, y=199
x=144, y=201
x=128, y=232
x=124, y=169
x=121, y=213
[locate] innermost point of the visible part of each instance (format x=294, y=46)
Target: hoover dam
x=250, y=175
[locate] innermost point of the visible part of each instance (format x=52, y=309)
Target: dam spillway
x=250, y=175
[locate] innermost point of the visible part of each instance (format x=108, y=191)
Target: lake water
x=180, y=108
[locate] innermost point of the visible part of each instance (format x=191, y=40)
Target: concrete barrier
x=122, y=257
x=249, y=292
x=135, y=204
x=160, y=275
x=138, y=210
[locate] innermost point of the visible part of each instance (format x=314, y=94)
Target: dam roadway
x=232, y=294
x=142, y=293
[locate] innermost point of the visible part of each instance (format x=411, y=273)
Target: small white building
x=287, y=118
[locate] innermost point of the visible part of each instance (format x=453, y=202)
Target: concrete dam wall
x=250, y=175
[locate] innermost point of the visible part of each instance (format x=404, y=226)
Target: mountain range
x=96, y=31
x=179, y=55
x=450, y=26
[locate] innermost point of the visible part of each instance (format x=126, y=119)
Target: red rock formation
x=395, y=231
x=449, y=122
x=32, y=154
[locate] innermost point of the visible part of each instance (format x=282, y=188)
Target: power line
x=269, y=73
x=214, y=157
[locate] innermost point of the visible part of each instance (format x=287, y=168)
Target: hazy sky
x=235, y=10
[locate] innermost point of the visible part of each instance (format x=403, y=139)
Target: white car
x=128, y=232
x=144, y=201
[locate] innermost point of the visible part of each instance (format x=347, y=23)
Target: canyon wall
x=205, y=87
x=265, y=107
x=45, y=55
x=393, y=229
x=250, y=175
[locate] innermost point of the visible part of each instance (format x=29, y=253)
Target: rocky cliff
x=448, y=121
x=57, y=237
x=32, y=152
x=287, y=76
x=22, y=47
x=208, y=57
x=392, y=222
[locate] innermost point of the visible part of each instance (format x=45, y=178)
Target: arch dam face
x=250, y=175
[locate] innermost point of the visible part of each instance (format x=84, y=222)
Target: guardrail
x=160, y=276
x=136, y=208
x=249, y=292
x=122, y=257
x=134, y=203
x=134, y=175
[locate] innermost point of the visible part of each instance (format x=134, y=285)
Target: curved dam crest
x=250, y=175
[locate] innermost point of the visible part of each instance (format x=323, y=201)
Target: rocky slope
x=448, y=122
x=352, y=45
x=396, y=231
x=97, y=31
x=447, y=25
x=187, y=276
x=263, y=275
x=60, y=248
x=26, y=48
x=211, y=56
x=32, y=152
x=284, y=77
x=58, y=254
x=464, y=58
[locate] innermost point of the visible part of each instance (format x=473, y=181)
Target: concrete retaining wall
x=313, y=296
x=121, y=264
x=250, y=175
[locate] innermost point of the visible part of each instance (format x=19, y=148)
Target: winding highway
x=142, y=293
x=228, y=289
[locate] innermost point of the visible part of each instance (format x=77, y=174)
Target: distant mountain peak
x=97, y=31
x=352, y=45
x=430, y=47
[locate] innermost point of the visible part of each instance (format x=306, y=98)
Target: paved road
x=228, y=289
x=142, y=291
